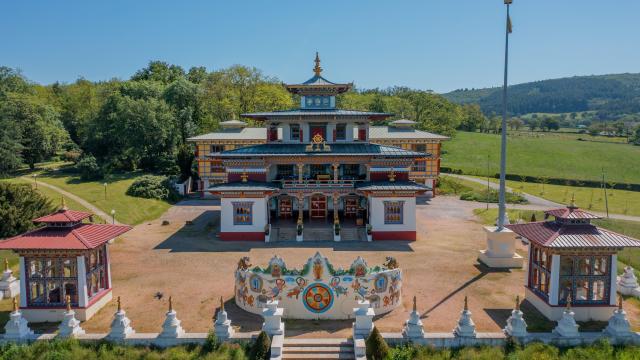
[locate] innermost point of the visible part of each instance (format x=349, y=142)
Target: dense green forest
x=611, y=97
x=143, y=122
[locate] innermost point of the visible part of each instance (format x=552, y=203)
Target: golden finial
x=620, y=302
x=68, y=301
x=221, y=304
x=119, y=304
x=6, y=264
x=414, y=303
x=569, y=302
x=15, y=305
x=244, y=176
x=518, y=302
x=64, y=205
x=392, y=175
x=170, y=303
x=466, y=303
x=573, y=201
x=317, y=69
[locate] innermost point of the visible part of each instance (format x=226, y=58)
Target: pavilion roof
x=341, y=149
x=571, y=212
x=63, y=215
x=556, y=234
x=79, y=237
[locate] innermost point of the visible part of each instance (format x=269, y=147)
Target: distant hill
x=613, y=94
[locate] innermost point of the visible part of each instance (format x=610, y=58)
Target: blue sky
x=428, y=44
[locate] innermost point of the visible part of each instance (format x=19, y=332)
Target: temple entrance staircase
x=299, y=349
x=318, y=234
x=351, y=234
x=286, y=234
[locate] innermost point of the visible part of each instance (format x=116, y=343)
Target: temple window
x=393, y=212
x=242, y=213
x=216, y=148
x=51, y=280
x=95, y=262
x=341, y=131
x=420, y=147
x=294, y=131
x=350, y=171
x=585, y=278
x=419, y=166
x=540, y=274
x=284, y=172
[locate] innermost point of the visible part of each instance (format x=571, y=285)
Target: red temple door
x=318, y=206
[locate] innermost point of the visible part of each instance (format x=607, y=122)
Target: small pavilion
x=67, y=255
x=571, y=258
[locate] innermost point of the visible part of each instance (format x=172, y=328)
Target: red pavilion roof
x=63, y=215
x=558, y=235
x=571, y=212
x=79, y=237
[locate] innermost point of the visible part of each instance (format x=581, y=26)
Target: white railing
x=295, y=184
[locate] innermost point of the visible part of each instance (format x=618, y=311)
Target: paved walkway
x=535, y=202
x=106, y=217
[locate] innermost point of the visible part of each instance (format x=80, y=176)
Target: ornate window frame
x=393, y=212
x=590, y=277
x=39, y=273
x=242, y=212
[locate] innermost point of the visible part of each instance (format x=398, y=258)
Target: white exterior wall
x=330, y=128
x=614, y=279
x=83, y=298
x=286, y=137
x=259, y=211
x=23, y=282
x=376, y=214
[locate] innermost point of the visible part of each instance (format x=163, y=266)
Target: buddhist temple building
x=570, y=258
x=67, y=255
x=316, y=174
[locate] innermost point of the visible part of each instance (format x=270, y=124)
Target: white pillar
x=17, y=328
x=70, y=326
x=108, y=259
x=363, y=314
x=23, y=282
x=272, y=315
x=83, y=297
x=526, y=269
x=554, y=282
x=614, y=279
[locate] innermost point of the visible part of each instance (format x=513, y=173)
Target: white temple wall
x=376, y=214
x=582, y=313
x=259, y=213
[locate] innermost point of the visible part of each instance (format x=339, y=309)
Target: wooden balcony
x=318, y=184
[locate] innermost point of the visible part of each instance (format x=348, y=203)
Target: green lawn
x=620, y=201
x=129, y=210
x=558, y=155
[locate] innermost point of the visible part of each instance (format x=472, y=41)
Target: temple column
x=336, y=168
x=367, y=168
x=83, y=298
x=300, y=172
x=300, y=207
x=614, y=280
x=23, y=283
x=554, y=282
x=336, y=219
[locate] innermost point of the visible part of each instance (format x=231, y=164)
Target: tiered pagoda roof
x=346, y=149
x=318, y=85
x=64, y=230
x=571, y=228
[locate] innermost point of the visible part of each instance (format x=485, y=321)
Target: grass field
x=620, y=201
x=558, y=155
x=129, y=210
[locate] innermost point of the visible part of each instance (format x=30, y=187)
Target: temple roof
x=341, y=149
x=316, y=112
x=245, y=186
x=79, y=237
x=391, y=186
x=555, y=234
x=238, y=133
x=63, y=215
x=318, y=85
x=388, y=133
x=571, y=212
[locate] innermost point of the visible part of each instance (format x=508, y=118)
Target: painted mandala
x=318, y=298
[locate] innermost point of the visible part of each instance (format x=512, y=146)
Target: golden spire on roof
x=317, y=69
x=221, y=304
x=6, y=264
x=572, y=204
x=15, y=305
x=119, y=304
x=466, y=303
x=392, y=175
x=67, y=300
x=64, y=205
x=170, y=303
x=569, y=302
x=619, y=302
x=518, y=302
x=244, y=177
x=414, y=303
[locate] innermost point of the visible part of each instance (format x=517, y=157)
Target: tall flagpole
x=503, y=143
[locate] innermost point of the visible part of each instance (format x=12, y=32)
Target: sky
x=438, y=45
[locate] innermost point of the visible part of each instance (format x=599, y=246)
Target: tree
x=515, y=123
x=261, y=349
x=19, y=204
x=197, y=74
x=181, y=95
x=185, y=158
x=636, y=136
x=472, y=117
x=159, y=71
x=550, y=123
x=377, y=348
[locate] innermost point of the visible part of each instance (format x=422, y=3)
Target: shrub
x=72, y=156
x=88, y=168
x=19, y=204
x=153, y=187
x=377, y=348
x=481, y=196
x=261, y=349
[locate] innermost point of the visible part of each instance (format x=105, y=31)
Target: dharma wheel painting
x=318, y=291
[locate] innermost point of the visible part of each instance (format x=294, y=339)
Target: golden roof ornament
x=244, y=176
x=170, y=303
x=414, y=303
x=6, y=264
x=221, y=304
x=119, y=304
x=620, y=302
x=68, y=301
x=569, y=302
x=317, y=69
x=466, y=303
x=15, y=304
x=392, y=175
x=572, y=204
x=518, y=302
x=64, y=204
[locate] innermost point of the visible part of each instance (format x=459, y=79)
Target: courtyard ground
x=189, y=263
